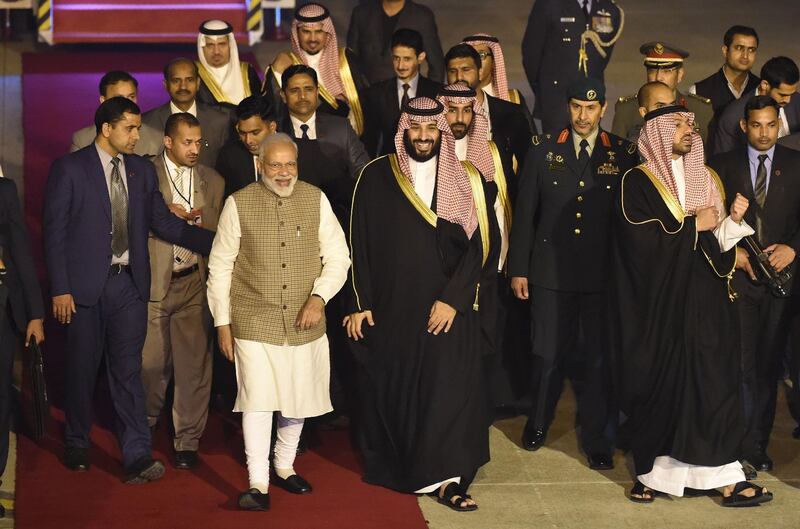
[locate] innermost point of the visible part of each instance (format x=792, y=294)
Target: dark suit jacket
x=337, y=139
x=235, y=165
x=510, y=128
x=559, y=237
x=215, y=123
x=550, y=52
x=365, y=37
x=728, y=134
x=24, y=293
x=383, y=113
x=781, y=213
x=77, y=225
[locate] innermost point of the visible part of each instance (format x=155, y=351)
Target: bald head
x=654, y=95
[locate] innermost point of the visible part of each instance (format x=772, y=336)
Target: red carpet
x=60, y=96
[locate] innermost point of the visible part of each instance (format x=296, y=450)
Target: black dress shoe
x=185, y=459
x=533, y=440
x=2, y=512
x=76, y=459
x=254, y=500
x=749, y=470
x=143, y=470
x=600, y=461
x=760, y=461
x=294, y=484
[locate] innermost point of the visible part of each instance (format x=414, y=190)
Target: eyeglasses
x=277, y=166
x=485, y=54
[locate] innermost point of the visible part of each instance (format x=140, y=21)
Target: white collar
x=192, y=109
x=412, y=84
x=312, y=126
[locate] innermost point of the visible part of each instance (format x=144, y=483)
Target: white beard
x=282, y=192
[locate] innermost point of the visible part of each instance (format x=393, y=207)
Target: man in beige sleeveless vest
x=278, y=256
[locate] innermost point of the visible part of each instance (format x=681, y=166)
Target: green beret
x=587, y=89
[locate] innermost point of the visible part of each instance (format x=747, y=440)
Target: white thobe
x=670, y=475
x=291, y=379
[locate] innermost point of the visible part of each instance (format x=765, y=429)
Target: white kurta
x=291, y=379
x=670, y=475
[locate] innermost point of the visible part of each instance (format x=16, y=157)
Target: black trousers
x=9, y=338
x=116, y=326
x=764, y=332
x=570, y=338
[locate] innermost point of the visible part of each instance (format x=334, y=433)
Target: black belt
x=117, y=269
x=185, y=272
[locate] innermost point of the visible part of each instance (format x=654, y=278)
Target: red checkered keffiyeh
x=311, y=14
x=454, y=201
x=477, y=144
x=499, y=77
x=655, y=145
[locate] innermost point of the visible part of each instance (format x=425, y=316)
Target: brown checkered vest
x=277, y=264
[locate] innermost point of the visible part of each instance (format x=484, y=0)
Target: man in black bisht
x=678, y=360
x=417, y=249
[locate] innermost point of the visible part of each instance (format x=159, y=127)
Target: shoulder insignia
x=605, y=139
x=562, y=138
x=625, y=99
x=632, y=148
x=705, y=100
x=535, y=139
x=548, y=136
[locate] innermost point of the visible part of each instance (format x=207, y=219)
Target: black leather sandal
x=645, y=494
x=453, y=498
x=737, y=499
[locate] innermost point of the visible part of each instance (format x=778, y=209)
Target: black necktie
x=119, y=211
x=761, y=197
x=304, y=128
x=583, y=154
x=405, y=97
x=586, y=9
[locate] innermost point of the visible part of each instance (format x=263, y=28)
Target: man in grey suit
x=113, y=84
x=372, y=25
x=181, y=80
x=178, y=342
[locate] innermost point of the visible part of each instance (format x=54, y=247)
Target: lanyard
x=175, y=187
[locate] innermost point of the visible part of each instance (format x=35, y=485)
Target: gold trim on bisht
x=408, y=190
x=350, y=92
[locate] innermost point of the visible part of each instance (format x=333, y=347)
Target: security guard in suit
x=663, y=63
x=557, y=259
x=567, y=40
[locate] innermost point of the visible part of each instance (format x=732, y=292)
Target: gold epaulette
x=702, y=99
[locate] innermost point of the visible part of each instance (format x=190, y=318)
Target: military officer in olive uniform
x=557, y=259
x=567, y=40
x=663, y=63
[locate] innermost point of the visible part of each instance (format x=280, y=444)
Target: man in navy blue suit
x=101, y=202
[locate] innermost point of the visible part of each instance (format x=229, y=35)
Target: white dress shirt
x=333, y=252
x=192, y=109
x=312, y=126
x=412, y=89
x=185, y=189
x=485, y=106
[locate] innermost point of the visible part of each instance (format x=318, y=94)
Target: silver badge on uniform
x=567, y=19
x=602, y=23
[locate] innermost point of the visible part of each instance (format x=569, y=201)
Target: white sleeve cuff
x=728, y=233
